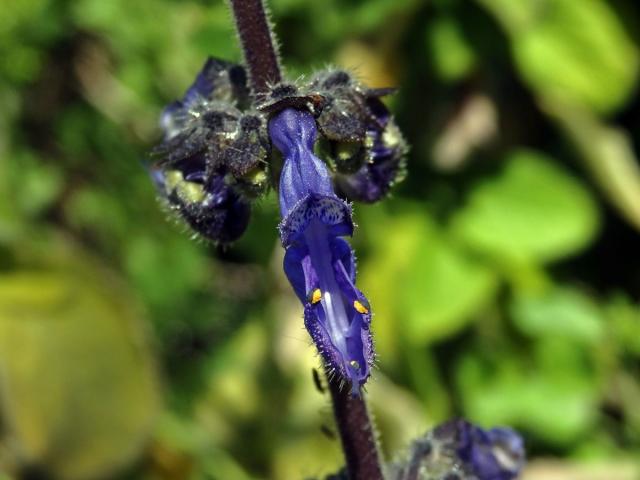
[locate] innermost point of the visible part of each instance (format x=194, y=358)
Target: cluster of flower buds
x=223, y=148
x=358, y=137
x=212, y=161
x=216, y=156
x=459, y=450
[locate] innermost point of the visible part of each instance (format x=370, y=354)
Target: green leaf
x=576, y=50
x=533, y=210
x=607, y=153
x=560, y=313
x=452, y=55
x=550, y=393
x=78, y=386
x=418, y=280
x=623, y=318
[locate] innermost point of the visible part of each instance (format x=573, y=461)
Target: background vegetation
x=504, y=272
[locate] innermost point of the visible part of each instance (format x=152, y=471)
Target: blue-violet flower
x=319, y=264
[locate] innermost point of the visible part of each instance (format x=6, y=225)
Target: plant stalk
x=356, y=434
x=258, y=44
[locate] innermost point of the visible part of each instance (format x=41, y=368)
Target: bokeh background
x=504, y=272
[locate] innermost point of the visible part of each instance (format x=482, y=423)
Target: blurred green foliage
x=503, y=272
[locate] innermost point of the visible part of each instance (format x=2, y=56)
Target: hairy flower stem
x=356, y=433
x=258, y=43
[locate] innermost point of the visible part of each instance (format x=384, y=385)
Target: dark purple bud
x=219, y=81
x=205, y=201
x=384, y=163
x=459, y=449
x=496, y=454
x=286, y=95
x=219, y=85
x=361, y=137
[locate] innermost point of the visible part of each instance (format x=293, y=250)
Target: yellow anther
x=316, y=295
x=172, y=179
x=355, y=364
x=190, y=192
x=360, y=308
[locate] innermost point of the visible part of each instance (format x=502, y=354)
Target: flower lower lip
x=332, y=300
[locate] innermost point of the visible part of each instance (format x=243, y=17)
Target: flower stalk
x=258, y=43
x=357, y=434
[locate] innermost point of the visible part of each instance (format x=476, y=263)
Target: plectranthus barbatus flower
x=318, y=262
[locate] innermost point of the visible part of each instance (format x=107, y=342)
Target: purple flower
x=495, y=454
x=460, y=450
x=319, y=264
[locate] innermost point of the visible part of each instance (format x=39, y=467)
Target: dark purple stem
x=356, y=434
x=258, y=44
